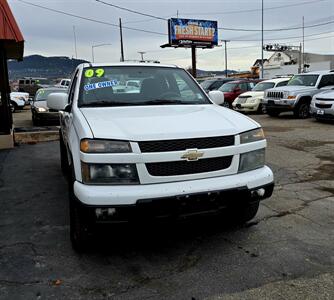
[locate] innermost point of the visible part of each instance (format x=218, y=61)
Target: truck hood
x=142, y=123
x=293, y=88
x=326, y=95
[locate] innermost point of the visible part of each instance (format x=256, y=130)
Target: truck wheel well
x=305, y=99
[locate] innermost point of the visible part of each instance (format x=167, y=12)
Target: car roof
x=127, y=64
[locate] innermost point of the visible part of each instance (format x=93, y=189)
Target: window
x=112, y=86
x=326, y=80
x=244, y=86
x=27, y=81
x=21, y=81
x=72, y=88
x=282, y=83
x=304, y=80
x=262, y=86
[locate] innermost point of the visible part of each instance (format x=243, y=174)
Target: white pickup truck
x=162, y=151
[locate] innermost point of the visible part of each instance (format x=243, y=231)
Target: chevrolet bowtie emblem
x=192, y=155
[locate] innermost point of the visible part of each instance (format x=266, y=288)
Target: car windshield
x=42, y=94
x=262, y=86
x=107, y=86
x=305, y=80
x=228, y=87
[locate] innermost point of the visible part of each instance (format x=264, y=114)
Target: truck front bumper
x=129, y=195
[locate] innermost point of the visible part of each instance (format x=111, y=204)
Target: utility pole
x=142, y=55
x=303, y=46
x=300, y=59
x=121, y=36
x=262, y=71
x=225, y=42
x=75, y=42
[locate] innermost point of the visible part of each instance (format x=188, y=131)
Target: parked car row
x=309, y=94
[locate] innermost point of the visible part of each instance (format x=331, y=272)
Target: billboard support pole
x=193, y=60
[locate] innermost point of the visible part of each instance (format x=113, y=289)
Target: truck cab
x=164, y=150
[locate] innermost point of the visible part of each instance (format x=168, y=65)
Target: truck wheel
x=272, y=113
x=260, y=109
x=35, y=121
x=80, y=228
x=243, y=212
x=63, y=155
x=302, y=111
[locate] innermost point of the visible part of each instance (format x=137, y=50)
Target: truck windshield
x=107, y=86
x=262, y=86
x=305, y=80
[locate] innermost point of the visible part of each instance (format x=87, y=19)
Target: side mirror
x=217, y=97
x=57, y=101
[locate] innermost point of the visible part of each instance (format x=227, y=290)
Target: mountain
x=41, y=66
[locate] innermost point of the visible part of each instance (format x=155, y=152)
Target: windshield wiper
x=163, y=101
x=104, y=104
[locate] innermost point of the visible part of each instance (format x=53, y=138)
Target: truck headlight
x=109, y=173
x=105, y=146
x=251, y=160
x=252, y=136
x=41, y=109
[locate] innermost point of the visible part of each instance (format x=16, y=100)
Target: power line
x=252, y=10
x=89, y=19
x=131, y=10
x=223, y=28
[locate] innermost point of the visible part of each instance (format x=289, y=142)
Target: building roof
x=10, y=34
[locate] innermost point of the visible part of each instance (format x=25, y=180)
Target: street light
x=95, y=46
x=262, y=71
x=142, y=55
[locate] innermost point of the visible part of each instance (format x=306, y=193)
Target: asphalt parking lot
x=287, y=252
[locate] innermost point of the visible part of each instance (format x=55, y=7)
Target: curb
x=34, y=137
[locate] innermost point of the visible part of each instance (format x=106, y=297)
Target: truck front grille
x=323, y=105
x=275, y=95
x=183, y=167
x=184, y=144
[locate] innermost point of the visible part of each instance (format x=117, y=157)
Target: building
x=290, y=62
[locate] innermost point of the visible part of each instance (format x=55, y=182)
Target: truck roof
x=130, y=64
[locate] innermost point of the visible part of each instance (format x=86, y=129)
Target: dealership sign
x=184, y=32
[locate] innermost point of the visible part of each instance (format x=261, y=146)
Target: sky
x=50, y=33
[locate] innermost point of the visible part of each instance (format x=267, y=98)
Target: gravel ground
x=286, y=252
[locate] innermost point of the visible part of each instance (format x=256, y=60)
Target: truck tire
x=272, y=113
x=35, y=121
x=80, y=228
x=243, y=212
x=302, y=110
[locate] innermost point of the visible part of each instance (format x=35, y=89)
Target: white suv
x=160, y=151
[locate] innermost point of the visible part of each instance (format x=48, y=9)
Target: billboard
x=193, y=32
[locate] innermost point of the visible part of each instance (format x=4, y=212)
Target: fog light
x=98, y=212
x=111, y=211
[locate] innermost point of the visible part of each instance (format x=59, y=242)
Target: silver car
x=322, y=106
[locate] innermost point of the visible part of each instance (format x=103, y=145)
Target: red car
x=233, y=89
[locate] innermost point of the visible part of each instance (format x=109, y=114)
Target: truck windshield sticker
x=90, y=73
x=100, y=85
